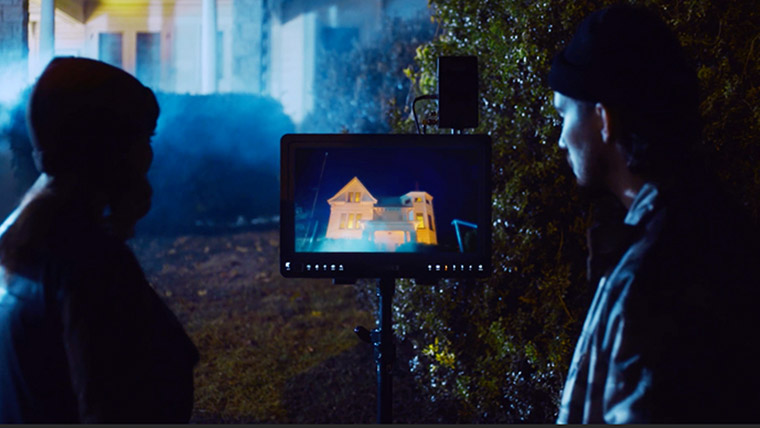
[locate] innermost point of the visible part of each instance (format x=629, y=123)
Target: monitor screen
x=385, y=205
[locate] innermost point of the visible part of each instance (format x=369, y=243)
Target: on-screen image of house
x=388, y=223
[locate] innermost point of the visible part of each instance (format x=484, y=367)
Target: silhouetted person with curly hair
x=83, y=336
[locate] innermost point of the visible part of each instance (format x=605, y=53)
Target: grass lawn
x=272, y=349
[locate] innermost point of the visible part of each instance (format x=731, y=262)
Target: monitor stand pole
x=385, y=350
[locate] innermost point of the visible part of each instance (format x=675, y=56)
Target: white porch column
x=47, y=32
x=208, y=47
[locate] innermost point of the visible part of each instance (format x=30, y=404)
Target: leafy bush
x=500, y=348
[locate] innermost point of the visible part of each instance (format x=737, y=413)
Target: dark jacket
x=672, y=332
x=84, y=338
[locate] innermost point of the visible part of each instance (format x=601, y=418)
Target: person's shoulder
x=95, y=260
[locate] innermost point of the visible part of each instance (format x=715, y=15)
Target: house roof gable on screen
x=353, y=186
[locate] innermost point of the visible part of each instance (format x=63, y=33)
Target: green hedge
x=500, y=348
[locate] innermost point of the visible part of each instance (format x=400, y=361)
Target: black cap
x=624, y=56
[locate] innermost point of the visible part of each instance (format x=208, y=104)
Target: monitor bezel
x=294, y=264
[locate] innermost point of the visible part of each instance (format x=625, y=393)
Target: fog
x=216, y=162
x=13, y=81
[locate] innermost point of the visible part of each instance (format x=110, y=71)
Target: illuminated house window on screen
x=110, y=48
x=420, y=221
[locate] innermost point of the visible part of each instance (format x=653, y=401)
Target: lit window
x=350, y=221
x=417, y=199
x=358, y=219
x=342, y=221
x=420, y=221
x=350, y=196
x=357, y=196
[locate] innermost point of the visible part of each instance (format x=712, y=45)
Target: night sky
x=446, y=174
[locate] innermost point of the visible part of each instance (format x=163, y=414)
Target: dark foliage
x=501, y=347
x=361, y=88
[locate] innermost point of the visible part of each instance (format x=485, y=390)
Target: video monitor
x=375, y=206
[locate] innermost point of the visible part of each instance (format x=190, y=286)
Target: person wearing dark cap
x=83, y=336
x=671, y=333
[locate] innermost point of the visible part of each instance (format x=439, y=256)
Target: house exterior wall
x=366, y=16
x=422, y=204
x=178, y=23
x=264, y=49
x=389, y=240
x=250, y=39
x=387, y=226
x=179, y=26
x=349, y=230
x=70, y=36
x=293, y=63
x=344, y=209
